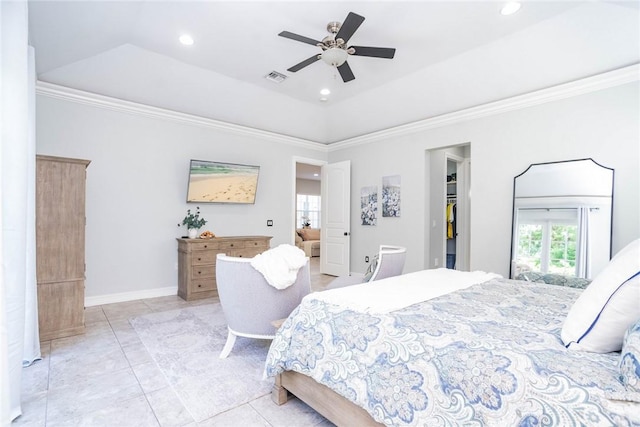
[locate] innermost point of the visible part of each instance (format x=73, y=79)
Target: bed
x=486, y=353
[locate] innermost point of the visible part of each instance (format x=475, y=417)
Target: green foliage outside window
x=562, y=247
x=562, y=259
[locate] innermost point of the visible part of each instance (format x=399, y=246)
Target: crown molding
x=587, y=85
x=595, y=83
x=108, y=103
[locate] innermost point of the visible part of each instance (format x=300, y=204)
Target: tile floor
x=105, y=377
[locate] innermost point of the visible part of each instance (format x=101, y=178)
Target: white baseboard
x=130, y=296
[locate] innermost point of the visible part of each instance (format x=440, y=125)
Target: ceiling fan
x=334, y=47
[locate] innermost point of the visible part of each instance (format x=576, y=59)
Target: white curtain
x=19, y=341
x=583, y=251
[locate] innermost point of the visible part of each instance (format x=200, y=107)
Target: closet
x=451, y=213
x=60, y=245
x=449, y=207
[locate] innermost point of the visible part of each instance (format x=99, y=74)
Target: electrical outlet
x=269, y=223
x=436, y=262
x=366, y=259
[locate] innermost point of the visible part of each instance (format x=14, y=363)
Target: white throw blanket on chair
x=280, y=265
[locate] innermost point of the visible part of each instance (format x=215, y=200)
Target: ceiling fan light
x=334, y=56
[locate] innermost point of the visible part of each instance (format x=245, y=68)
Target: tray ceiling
x=449, y=56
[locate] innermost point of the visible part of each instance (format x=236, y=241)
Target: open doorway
x=307, y=207
x=334, y=216
x=449, y=207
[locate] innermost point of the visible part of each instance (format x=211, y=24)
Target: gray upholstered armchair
x=388, y=263
x=249, y=303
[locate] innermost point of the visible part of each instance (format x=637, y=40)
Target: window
x=308, y=208
x=547, y=240
x=530, y=245
x=562, y=250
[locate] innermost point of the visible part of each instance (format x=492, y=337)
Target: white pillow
x=599, y=318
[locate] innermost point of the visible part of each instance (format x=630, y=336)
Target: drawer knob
x=199, y=272
x=199, y=286
x=205, y=246
x=199, y=259
x=232, y=245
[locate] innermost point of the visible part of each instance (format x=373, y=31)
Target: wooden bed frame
x=325, y=401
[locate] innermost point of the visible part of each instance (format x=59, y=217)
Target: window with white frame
x=308, y=210
x=548, y=240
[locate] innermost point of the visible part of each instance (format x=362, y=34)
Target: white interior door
x=335, y=235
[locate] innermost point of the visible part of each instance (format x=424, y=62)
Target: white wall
x=137, y=183
x=137, y=180
x=602, y=125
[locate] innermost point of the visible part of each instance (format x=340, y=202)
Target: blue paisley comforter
x=487, y=355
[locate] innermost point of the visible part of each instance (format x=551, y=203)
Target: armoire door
x=60, y=245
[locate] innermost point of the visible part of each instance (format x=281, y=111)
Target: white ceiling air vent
x=275, y=77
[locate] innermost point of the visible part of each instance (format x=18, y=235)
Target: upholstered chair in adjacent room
x=249, y=303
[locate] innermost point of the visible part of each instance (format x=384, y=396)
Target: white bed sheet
x=384, y=296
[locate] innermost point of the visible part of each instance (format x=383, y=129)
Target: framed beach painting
x=217, y=182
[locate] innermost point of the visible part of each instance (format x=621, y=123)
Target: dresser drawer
x=203, y=271
x=202, y=245
x=262, y=245
x=231, y=245
x=203, y=257
x=203, y=285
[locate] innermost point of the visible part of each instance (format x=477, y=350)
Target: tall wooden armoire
x=60, y=245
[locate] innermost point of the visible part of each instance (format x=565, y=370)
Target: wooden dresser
x=60, y=242
x=197, y=261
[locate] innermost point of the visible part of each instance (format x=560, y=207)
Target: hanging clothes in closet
x=451, y=220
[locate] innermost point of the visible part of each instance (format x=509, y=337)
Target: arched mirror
x=562, y=216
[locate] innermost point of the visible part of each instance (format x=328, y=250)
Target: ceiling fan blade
x=349, y=26
x=376, y=52
x=346, y=73
x=298, y=38
x=303, y=64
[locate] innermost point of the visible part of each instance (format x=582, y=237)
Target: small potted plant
x=193, y=222
x=305, y=222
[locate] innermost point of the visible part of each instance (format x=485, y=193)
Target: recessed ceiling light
x=510, y=8
x=316, y=174
x=323, y=99
x=325, y=91
x=186, y=39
